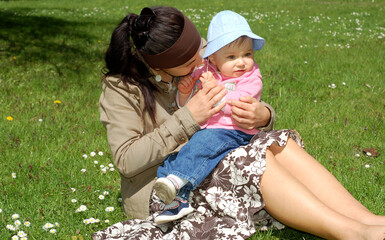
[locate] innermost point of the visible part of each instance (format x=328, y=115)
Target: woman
x=147, y=55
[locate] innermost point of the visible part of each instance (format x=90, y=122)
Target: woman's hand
x=201, y=105
x=249, y=113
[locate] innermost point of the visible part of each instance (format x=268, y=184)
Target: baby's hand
x=186, y=84
x=207, y=77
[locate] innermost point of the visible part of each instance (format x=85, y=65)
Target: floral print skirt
x=228, y=204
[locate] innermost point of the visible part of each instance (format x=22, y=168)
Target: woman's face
x=186, y=68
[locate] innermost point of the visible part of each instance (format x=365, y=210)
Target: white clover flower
x=83, y=170
x=74, y=200
x=110, y=209
x=107, y=221
x=112, y=169
x=53, y=231
x=100, y=153
x=15, y=237
x=85, y=156
x=27, y=224
x=101, y=197
x=15, y=216
x=106, y=193
x=96, y=162
x=111, y=165
x=73, y=189
x=17, y=223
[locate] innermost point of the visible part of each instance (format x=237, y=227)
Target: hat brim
x=219, y=42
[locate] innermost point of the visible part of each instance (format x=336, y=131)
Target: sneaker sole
x=166, y=219
x=165, y=190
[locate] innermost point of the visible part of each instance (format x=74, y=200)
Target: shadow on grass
x=64, y=44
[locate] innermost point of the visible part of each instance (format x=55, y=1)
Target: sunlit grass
x=323, y=72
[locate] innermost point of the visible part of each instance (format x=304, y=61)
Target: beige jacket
x=139, y=147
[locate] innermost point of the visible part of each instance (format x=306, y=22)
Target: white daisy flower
x=13, y=175
x=92, y=154
x=96, y=162
x=27, y=224
x=106, y=193
x=112, y=169
x=107, y=221
x=85, y=156
x=53, y=231
x=17, y=223
x=74, y=200
x=73, y=189
x=110, y=209
x=21, y=234
x=15, y=237
x=100, y=153
x=83, y=170
x=101, y=197
x=11, y=227
x=15, y=216
x=111, y=165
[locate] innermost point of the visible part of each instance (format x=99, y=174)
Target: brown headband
x=180, y=52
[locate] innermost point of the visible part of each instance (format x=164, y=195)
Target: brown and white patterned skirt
x=229, y=203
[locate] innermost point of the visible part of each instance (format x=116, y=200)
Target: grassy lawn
x=323, y=72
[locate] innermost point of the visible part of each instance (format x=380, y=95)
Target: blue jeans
x=200, y=156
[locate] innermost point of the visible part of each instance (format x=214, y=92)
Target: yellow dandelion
x=14, y=58
x=57, y=101
x=99, y=41
x=260, y=21
x=10, y=118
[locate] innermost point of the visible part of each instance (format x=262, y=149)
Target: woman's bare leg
x=322, y=183
x=293, y=204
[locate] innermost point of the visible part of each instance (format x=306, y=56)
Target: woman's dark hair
x=136, y=34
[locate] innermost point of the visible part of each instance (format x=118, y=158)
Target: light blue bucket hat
x=226, y=27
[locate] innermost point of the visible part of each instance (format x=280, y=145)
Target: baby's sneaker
x=165, y=190
x=174, y=211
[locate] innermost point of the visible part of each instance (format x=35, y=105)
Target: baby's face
x=234, y=59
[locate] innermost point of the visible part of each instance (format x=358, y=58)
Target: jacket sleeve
x=134, y=147
x=270, y=125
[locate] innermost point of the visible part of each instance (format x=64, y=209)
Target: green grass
x=53, y=50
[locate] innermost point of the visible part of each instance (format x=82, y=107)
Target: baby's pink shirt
x=249, y=83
